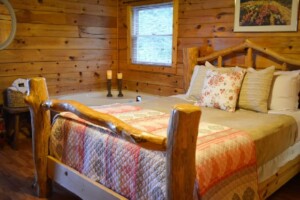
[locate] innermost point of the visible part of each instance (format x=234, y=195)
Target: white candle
x=109, y=74
x=119, y=75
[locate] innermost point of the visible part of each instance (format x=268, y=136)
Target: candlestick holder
x=120, y=88
x=109, y=88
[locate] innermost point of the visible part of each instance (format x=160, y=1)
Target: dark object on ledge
x=138, y=98
x=14, y=125
x=109, y=88
x=120, y=88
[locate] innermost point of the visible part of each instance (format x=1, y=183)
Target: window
x=151, y=34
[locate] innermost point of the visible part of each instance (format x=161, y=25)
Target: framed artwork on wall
x=266, y=15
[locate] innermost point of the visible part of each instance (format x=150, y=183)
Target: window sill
x=152, y=68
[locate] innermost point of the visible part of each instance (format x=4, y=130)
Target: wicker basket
x=14, y=98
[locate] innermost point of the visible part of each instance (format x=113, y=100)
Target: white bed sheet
x=271, y=167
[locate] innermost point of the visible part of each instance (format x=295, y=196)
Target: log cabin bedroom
x=149, y=99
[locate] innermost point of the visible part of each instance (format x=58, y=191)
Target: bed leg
x=181, y=151
x=40, y=122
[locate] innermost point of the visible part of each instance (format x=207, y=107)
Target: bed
x=180, y=144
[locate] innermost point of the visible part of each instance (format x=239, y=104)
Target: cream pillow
x=208, y=64
x=221, y=90
x=285, y=90
x=255, y=89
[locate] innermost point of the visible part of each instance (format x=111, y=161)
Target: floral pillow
x=221, y=90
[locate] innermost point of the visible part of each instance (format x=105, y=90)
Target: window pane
x=153, y=50
x=152, y=34
x=155, y=21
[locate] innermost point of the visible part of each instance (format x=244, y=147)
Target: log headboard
x=247, y=54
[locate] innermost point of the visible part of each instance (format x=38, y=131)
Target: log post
x=249, y=58
x=190, y=56
x=220, y=61
x=40, y=122
x=181, y=151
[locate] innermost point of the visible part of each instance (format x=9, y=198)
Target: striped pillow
x=255, y=89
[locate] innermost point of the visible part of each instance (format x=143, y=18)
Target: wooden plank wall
x=202, y=23
x=152, y=80
x=69, y=42
x=73, y=42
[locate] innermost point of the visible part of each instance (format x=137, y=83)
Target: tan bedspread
x=271, y=133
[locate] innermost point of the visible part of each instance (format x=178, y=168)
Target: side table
x=14, y=119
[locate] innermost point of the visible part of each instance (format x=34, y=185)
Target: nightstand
x=14, y=126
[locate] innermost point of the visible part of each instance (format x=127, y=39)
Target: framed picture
x=265, y=15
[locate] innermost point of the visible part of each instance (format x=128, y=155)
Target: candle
x=109, y=74
x=119, y=75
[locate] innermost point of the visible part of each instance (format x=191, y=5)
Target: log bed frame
x=178, y=147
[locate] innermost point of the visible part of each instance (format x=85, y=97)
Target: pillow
x=208, y=64
x=255, y=89
x=285, y=90
x=197, y=80
x=221, y=90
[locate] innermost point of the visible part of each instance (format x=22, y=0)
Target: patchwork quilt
x=225, y=157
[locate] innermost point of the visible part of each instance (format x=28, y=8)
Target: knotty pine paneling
x=157, y=80
x=73, y=42
x=69, y=42
x=201, y=23
x=207, y=23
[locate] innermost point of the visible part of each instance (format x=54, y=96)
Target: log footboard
x=180, y=144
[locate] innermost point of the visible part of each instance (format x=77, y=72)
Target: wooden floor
x=16, y=177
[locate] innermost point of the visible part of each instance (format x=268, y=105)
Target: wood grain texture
x=249, y=45
x=181, y=151
x=17, y=174
x=70, y=33
x=207, y=23
x=156, y=76
x=40, y=120
x=93, y=30
x=190, y=56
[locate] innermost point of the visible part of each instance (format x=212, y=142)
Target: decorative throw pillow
x=197, y=80
x=221, y=90
x=255, y=89
x=285, y=90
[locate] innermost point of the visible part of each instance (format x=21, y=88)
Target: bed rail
x=191, y=57
x=250, y=46
x=127, y=132
x=180, y=145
